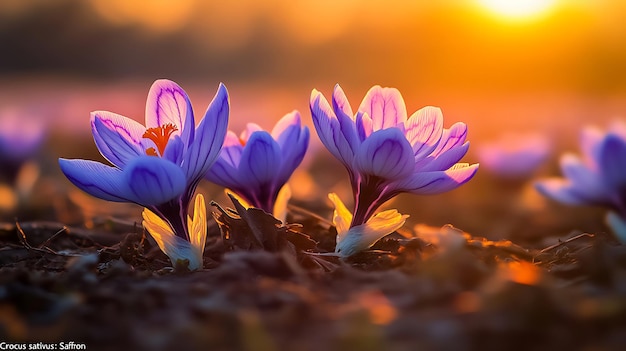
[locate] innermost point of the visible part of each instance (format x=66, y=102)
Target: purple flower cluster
x=387, y=153
x=159, y=165
x=597, y=178
x=514, y=156
x=257, y=164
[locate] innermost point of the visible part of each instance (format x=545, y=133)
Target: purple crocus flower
x=387, y=153
x=514, y=156
x=598, y=178
x=21, y=136
x=257, y=164
x=159, y=165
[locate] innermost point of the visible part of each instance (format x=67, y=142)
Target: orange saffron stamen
x=160, y=136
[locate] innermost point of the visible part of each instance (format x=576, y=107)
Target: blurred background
x=537, y=66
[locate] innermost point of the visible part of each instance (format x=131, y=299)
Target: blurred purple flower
x=257, y=164
x=157, y=166
x=387, y=154
x=514, y=156
x=21, y=137
x=598, y=178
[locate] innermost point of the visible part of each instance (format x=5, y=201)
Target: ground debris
x=280, y=286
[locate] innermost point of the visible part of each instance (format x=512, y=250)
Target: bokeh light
x=519, y=9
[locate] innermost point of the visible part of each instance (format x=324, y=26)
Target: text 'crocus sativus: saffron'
x=159, y=165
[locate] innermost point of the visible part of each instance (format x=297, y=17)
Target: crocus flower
x=514, y=156
x=21, y=137
x=256, y=165
x=387, y=153
x=598, y=178
x=159, y=165
x=176, y=248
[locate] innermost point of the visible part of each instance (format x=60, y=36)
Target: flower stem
x=370, y=194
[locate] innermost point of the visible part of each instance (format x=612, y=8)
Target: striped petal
x=329, y=130
x=444, y=160
x=428, y=183
x=153, y=181
x=424, y=131
x=119, y=139
x=341, y=103
x=385, y=106
x=209, y=137
x=386, y=154
x=451, y=138
x=286, y=130
x=224, y=174
x=168, y=103
x=96, y=179
x=260, y=159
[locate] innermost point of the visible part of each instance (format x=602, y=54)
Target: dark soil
x=81, y=272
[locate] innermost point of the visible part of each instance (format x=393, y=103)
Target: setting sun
x=518, y=9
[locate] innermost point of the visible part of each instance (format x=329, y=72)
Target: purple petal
x=153, y=181
x=582, y=186
x=329, y=130
x=119, y=139
x=292, y=156
x=363, y=125
x=386, y=154
x=450, y=138
x=560, y=190
x=231, y=150
x=168, y=103
x=260, y=160
x=612, y=162
x=285, y=127
x=424, y=130
x=587, y=180
x=590, y=140
x=444, y=160
x=385, y=106
x=287, y=132
x=209, y=137
x=347, y=127
x=428, y=183
x=175, y=150
x=250, y=128
x=96, y=179
x=224, y=174
x=21, y=134
x=341, y=103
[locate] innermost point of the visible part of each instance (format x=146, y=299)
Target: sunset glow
x=518, y=9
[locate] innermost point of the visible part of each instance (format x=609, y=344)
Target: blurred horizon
x=492, y=70
x=448, y=44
